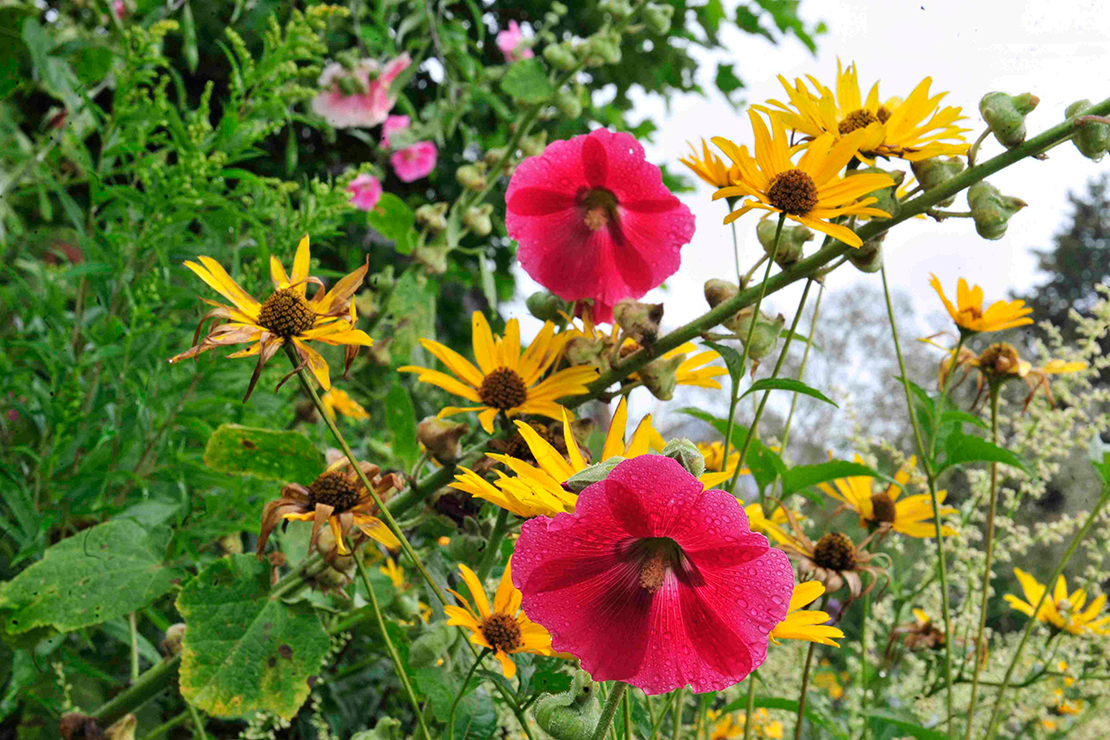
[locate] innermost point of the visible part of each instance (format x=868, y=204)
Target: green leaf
x=475, y=717
x=787, y=384
x=432, y=683
x=244, y=651
x=727, y=82
x=959, y=416
x=525, y=81
x=264, y=453
x=1103, y=469
x=962, y=448
x=789, y=705
x=880, y=718
x=189, y=41
x=412, y=308
x=803, y=476
x=96, y=575
x=395, y=221
x=401, y=419
x=734, y=361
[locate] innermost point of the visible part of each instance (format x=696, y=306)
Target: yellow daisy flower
x=1062, y=610
x=339, y=400
x=709, y=167
x=286, y=316
x=912, y=129
x=772, y=527
x=504, y=629
x=912, y=516
x=505, y=379
x=969, y=315
x=731, y=726
x=716, y=470
x=811, y=192
x=806, y=625
x=394, y=573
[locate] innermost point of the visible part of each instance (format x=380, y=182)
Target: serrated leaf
x=787, y=384
x=803, y=476
x=395, y=221
x=288, y=457
x=962, y=448
x=432, y=683
x=401, y=419
x=243, y=651
x=525, y=81
x=96, y=575
x=734, y=361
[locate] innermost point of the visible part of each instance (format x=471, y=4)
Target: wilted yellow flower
x=337, y=399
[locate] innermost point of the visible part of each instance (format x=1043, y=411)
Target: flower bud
x=441, y=438
x=232, y=544
x=765, y=335
x=432, y=216
x=387, y=728
x=719, y=291
x=687, y=455
x=470, y=176
x=493, y=156
x=869, y=257
x=533, y=146
x=1005, y=115
x=588, y=352
x=991, y=209
x=661, y=376
x=431, y=645
x=477, y=219
x=586, y=477
x=936, y=171
x=619, y=9
x=887, y=198
x=171, y=641
x=791, y=241
x=350, y=85
x=122, y=729
x=545, y=306
x=559, y=9
x=658, y=18
x=433, y=256
x=639, y=320
x=466, y=547
x=568, y=103
x=560, y=57
x=1090, y=138
x=572, y=714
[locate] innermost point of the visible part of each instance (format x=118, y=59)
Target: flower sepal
x=1092, y=138
x=791, y=241
x=687, y=454
x=991, y=209
x=1005, y=115
x=572, y=714
x=936, y=171
x=639, y=320
x=585, y=478
x=869, y=257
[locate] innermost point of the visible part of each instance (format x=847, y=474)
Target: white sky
x=1059, y=51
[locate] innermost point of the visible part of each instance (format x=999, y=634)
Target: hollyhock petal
x=365, y=192
x=394, y=123
x=414, y=162
x=361, y=109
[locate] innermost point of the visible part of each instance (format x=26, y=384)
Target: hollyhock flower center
x=835, y=551
x=503, y=389
x=882, y=507
x=286, y=313
x=793, y=192
x=857, y=119
x=659, y=554
x=333, y=489
x=600, y=207
x=502, y=632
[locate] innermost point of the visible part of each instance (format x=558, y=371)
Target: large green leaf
x=96, y=575
x=525, y=81
x=789, y=705
x=401, y=417
x=906, y=725
x=960, y=448
x=787, y=384
x=734, y=361
x=475, y=717
x=263, y=453
x=244, y=651
x=803, y=476
x=396, y=221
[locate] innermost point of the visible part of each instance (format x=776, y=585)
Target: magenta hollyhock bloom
x=414, y=162
x=393, y=123
x=365, y=192
x=508, y=42
x=343, y=108
x=654, y=581
x=594, y=220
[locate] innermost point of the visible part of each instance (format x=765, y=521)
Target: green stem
x=805, y=685
x=397, y=663
x=462, y=689
x=996, y=716
x=677, y=713
x=863, y=661
x=149, y=685
x=165, y=727
x=609, y=710
x=627, y=715
x=493, y=545
x=974, y=150
x=978, y=644
x=133, y=624
x=749, y=708
x=802, y=367
x=198, y=722
x=734, y=391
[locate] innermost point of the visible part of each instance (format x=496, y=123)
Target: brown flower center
x=286, y=313
x=835, y=551
x=999, y=359
x=600, y=206
x=334, y=489
x=884, y=114
x=883, y=508
x=502, y=632
x=503, y=389
x=857, y=119
x=793, y=192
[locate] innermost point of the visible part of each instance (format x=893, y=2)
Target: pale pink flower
x=365, y=191
x=414, y=162
x=509, y=42
x=119, y=9
x=393, y=123
x=364, y=109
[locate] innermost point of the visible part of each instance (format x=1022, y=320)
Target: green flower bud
x=687, y=454
x=936, y=171
x=550, y=18
x=432, y=644
x=559, y=9
x=441, y=438
x=408, y=607
x=661, y=376
x=387, y=728
x=545, y=306
x=560, y=57
x=869, y=257
x=887, y=197
x=791, y=241
x=1091, y=138
x=591, y=352
x=477, y=219
x=493, y=156
x=171, y=641
x=1005, y=114
x=432, y=216
x=581, y=480
x=991, y=209
x=466, y=547
x=718, y=291
x=568, y=103
x=572, y=714
x=639, y=320
x=348, y=59
x=658, y=18
x=619, y=9
x=533, y=146
x=232, y=544
x=471, y=177
x=764, y=337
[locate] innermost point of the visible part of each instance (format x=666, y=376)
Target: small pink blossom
x=119, y=9
x=393, y=123
x=654, y=581
x=364, y=109
x=365, y=191
x=509, y=42
x=414, y=162
x=595, y=221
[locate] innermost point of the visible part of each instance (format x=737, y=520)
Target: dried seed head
x=793, y=192
x=835, y=551
x=335, y=489
x=286, y=313
x=503, y=389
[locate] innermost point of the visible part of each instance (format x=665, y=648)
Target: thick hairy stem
x=609, y=710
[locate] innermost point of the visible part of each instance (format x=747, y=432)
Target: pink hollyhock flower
x=594, y=220
x=365, y=192
x=393, y=123
x=508, y=42
x=414, y=162
x=350, y=98
x=654, y=581
x=119, y=9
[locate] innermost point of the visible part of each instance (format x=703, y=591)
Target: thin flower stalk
x=805, y=680
x=802, y=367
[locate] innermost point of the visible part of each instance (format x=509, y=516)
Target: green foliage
x=787, y=384
x=263, y=453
